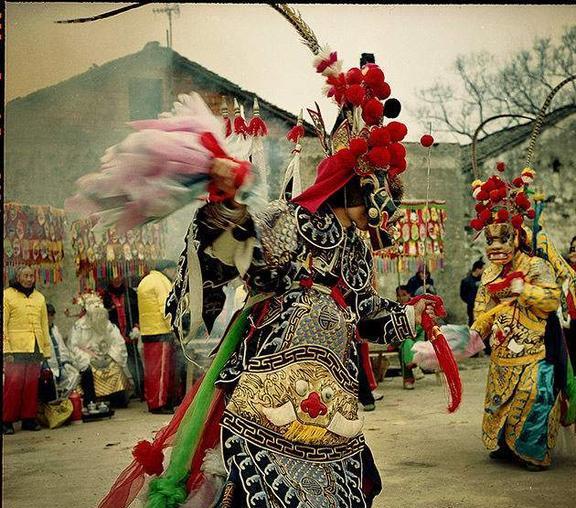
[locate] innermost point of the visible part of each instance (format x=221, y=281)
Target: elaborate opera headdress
x=362, y=144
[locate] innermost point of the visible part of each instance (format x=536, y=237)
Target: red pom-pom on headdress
x=379, y=156
x=373, y=77
x=372, y=111
x=355, y=95
x=397, y=131
x=380, y=136
x=358, y=146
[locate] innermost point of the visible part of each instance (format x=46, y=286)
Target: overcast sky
x=256, y=48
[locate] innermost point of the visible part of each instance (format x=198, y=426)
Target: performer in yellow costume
x=517, y=294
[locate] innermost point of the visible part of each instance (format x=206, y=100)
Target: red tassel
x=295, y=133
x=239, y=125
x=449, y=369
x=444, y=354
x=150, y=457
x=257, y=127
x=228, y=124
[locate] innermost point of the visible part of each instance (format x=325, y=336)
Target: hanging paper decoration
x=418, y=236
x=104, y=255
x=33, y=236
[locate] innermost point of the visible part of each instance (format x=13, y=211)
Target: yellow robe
x=518, y=405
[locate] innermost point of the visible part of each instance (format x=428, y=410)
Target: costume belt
x=520, y=360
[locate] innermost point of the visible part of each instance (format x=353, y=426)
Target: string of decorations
x=34, y=236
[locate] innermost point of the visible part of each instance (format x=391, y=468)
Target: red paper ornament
x=379, y=137
x=358, y=146
x=531, y=213
x=503, y=215
x=354, y=76
x=479, y=207
x=397, y=131
x=517, y=182
x=355, y=95
x=500, y=166
x=426, y=140
x=379, y=156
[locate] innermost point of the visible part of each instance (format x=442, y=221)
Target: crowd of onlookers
x=121, y=346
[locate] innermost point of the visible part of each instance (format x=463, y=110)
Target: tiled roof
x=505, y=139
x=155, y=51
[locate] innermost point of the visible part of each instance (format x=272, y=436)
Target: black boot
x=501, y=453
x=31, y=424
x=7, y=429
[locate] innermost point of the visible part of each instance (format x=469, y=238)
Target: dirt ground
x=427, y=458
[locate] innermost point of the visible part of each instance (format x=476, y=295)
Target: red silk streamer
x=240, y=173
x=331, y=176
x=443, y=352
x=131, y=480
x=496, y=287
x=209, y=439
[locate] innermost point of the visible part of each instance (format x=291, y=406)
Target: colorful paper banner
x=34, y=236
x=418, y=236
x=105, y=255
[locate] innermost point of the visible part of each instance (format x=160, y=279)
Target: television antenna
x=169, y=10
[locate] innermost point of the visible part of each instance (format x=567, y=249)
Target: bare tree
x=483, y=88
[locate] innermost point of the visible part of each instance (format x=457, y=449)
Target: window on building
x=145, y=98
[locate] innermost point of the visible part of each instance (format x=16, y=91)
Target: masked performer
x=516, y=310
x=274, y=421
x=99, y=352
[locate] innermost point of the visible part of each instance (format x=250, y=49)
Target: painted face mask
x=20, y=229
x=16, y=248
x=500, y=243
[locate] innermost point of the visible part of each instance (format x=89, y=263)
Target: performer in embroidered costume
x=279, y=403
x=515, y=309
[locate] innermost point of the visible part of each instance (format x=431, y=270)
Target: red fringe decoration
x=150, y=456
x=257, y=127
x=295, y=133
x=228, y=124
x=239, y=125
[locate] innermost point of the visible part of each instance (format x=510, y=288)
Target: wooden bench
x=381, y=360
